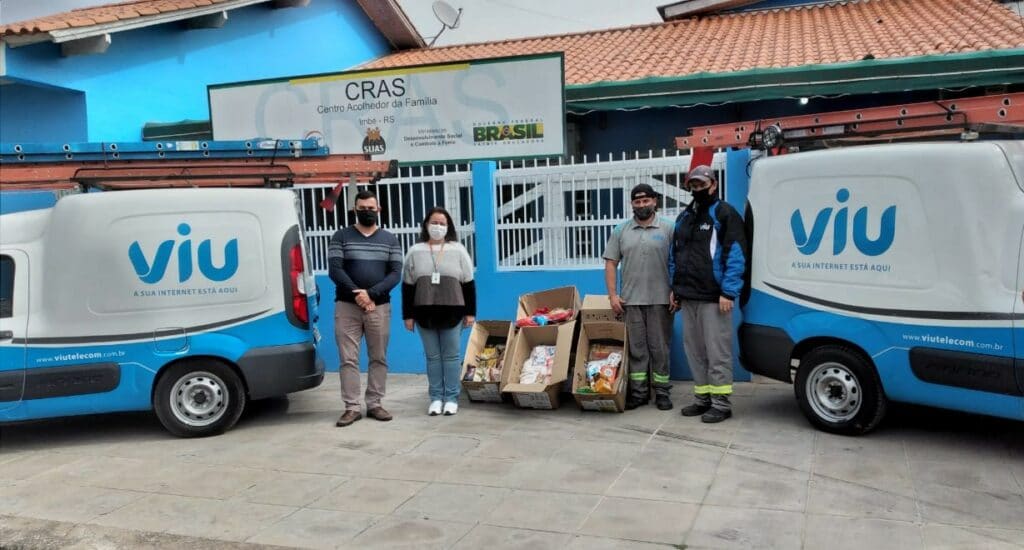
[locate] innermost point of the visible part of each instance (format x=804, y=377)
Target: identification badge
x=435, y=278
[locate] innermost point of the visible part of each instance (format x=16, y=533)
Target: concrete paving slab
x=400, y=532
x=369, y=496
x=583, y=542
x=543, y=511
x=641, y=520
x=839, y=533
x=747, y=482
x=289, y=489
x=453, y=502
x=504, y=538
x=950, y=537
x=727, y=527
x=316, y=529
x=852, y=499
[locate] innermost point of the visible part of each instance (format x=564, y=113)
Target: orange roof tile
x=109, y=13
x=820, y=34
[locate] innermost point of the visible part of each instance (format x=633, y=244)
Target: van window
x=6, y=286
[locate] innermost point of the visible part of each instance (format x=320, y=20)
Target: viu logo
x=151, y=272
x=808, y=244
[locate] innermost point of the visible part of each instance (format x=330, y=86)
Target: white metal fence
x=404, y=201
x=550, y=215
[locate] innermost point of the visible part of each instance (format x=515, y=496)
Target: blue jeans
x=444, y=362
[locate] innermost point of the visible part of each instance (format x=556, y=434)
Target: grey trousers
x=649, y=331
x=351, y=324
x=707, y=341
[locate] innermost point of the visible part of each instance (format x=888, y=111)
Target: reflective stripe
x=720, y=390
x=661, y=378
x=638, y=376
x=702, y=390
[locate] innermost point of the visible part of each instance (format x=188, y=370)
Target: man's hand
x=409, y=324
x=672, y=307
x=617, y=303
x=362, y=298
x=468, y=321
x=370, y=308
x=724, y=304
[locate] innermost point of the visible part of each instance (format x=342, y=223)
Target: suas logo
x=808, y=244
x=152, y=271
x=373, y=143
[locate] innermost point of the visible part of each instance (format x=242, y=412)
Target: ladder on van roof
x=145, y=165
x=968, y=118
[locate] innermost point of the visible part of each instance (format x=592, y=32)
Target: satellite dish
x=447, y=15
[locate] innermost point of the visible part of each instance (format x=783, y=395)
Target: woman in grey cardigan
x=439, y=299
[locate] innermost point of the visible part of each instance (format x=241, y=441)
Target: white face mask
x=437, y=232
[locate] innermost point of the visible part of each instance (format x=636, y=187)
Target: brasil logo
x=508, y=132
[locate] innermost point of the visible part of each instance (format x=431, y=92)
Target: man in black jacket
x=708, y=246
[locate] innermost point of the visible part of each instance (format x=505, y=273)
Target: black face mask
x=703, y=197
x=366, y=218
x=643, y=213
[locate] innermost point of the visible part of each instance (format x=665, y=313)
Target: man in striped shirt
x=365, y=263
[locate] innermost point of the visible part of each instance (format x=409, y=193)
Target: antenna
x=447, y=15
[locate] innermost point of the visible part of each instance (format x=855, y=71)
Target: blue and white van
x=190, y=302
x=889, y=272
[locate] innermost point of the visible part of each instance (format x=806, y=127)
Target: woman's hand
x=468, y=321
x=409, y=324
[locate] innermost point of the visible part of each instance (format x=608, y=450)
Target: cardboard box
x=609, y=402
x=483, y=331
x=597, y=307
x=564, y=297
x=539, y=396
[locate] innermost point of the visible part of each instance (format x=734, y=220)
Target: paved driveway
x=498, y=477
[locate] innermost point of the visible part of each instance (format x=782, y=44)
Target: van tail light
x=298, y=279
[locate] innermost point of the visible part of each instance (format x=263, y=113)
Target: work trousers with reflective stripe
x=707, y=341
x=649, y=331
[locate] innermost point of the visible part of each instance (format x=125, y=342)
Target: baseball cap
x=702, y=173
x=642, y=191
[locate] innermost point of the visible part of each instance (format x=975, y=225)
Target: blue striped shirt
x=371, y=263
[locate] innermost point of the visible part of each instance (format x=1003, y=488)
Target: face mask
x=366, y=218
x=643, y=212
x=703, y=196
x=437, y=232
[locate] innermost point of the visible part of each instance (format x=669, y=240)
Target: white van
x=889, y=272
x=185, y=301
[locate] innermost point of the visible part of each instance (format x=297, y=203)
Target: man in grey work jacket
x=642, y=245
x=709, y=256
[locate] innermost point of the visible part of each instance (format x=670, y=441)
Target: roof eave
x=59, y=36
x=392, y=21
x=689, y=8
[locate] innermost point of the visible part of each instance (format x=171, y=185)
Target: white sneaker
x=435, y=408
x=451, y=408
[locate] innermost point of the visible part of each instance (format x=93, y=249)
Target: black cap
x=642, y=191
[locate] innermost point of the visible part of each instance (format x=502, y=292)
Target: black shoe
x=632, y=403
x=714, y=416
x=663, y=403
x=695, y=409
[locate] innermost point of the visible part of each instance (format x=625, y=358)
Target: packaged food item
x=537, y=369
x=545, y=316
x=602, y=373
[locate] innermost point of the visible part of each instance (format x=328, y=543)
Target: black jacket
x=708, y=247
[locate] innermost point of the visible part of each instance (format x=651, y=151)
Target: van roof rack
x=969, y=118
x=146, y=165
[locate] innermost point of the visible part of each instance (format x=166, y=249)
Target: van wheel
x=839, y=391
x=199, y=398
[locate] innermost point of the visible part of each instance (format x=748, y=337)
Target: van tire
x=199, y=398
x=839, y=391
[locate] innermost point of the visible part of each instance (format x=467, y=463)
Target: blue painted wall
x=28, y=111
x=160, y=73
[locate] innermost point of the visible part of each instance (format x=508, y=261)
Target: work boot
x=347, y=418
x=634, y=402
x=378, y=413
x=695, y=409
x=663, y=403
x=715, y=416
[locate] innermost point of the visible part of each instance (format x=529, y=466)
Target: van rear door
x=13, y=326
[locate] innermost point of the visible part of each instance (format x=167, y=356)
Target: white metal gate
x=559, y=216
x=404, y=201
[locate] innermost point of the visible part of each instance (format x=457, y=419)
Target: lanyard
x=436, y=259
